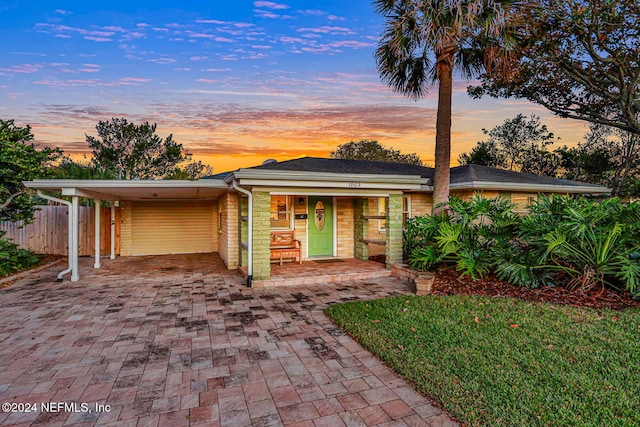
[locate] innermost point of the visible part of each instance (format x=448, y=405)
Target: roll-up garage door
x=171, y=228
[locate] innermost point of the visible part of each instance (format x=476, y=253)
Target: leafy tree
x=519, y=144
x=606, y=156
x=423, y=42
x=485, y=153
x=366, y=149
x=133, y=151
x=68, y=169
x=20, y=160
x=191, y=171
x=579, y=59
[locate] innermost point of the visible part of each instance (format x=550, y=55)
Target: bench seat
x=284, y=245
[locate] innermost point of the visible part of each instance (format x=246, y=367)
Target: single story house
x=336, y=208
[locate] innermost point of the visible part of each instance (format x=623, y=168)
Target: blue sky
x=235, y=82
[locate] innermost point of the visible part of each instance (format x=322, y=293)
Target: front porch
x=320, y=271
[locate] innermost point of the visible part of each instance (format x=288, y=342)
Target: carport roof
x=134, y=189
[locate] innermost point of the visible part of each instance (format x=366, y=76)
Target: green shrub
x=13, y=258
x=594, y=243
x=472, y=237
x=578, y=242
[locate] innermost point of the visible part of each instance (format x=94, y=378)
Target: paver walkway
x=179, y=341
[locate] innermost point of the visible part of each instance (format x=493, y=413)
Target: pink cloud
x=270, y=5
x=326, y=29
x=23, y=68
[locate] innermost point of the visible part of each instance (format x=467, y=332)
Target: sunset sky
x=236, y=82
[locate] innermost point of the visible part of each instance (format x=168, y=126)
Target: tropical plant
x=424, y=42
x=473, y=236
x=594, y=243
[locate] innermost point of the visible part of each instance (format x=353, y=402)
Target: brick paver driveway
x=179, y=340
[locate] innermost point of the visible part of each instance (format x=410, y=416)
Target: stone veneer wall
x=261, y=235
x=361, y=228
x=374, y=228
x=394, y=230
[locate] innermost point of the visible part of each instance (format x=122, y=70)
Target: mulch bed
x=447, y=282
x=44, y=259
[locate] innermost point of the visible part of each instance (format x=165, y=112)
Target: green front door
x=320, y=220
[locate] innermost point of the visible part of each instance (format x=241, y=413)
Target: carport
x=157, y=216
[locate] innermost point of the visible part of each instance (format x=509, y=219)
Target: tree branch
x=9, y=200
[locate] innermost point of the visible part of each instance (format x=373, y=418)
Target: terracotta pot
x=424, y=283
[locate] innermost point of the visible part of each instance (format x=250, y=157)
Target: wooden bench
x=284, y=245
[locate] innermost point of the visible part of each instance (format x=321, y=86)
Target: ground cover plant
x=506, y=362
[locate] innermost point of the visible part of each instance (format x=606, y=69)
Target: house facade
x=336, y=208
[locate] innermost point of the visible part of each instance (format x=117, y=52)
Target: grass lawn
x=504, y=362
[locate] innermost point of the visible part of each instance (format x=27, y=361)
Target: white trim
x=73, y=250
x=87, y=194
x=100, y=183
x=502, y=186
x=334, y=208
x=279, y=191
x=69, y=228
x=113, y=232
x=96, y=263
x=348, y=184
x=282, y=175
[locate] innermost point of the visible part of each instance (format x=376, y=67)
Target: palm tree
x=470, y=35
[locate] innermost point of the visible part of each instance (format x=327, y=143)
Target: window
x=281, y=212
x=406, y=209
x=382, y=211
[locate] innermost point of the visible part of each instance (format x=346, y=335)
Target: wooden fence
x=47, y=234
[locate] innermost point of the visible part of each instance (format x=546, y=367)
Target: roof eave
x=54, y=184
x=542, y=188
x=278, y=175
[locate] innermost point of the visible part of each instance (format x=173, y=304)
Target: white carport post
x=73, y=250
x=69, y=228
x=113, y=231
x=96, y=263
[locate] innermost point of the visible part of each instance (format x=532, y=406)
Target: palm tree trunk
x=442, y=171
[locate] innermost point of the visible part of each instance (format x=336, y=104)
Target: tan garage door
x=171, y=228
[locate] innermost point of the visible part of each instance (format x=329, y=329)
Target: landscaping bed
x=44, y=262
x=448, y=282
